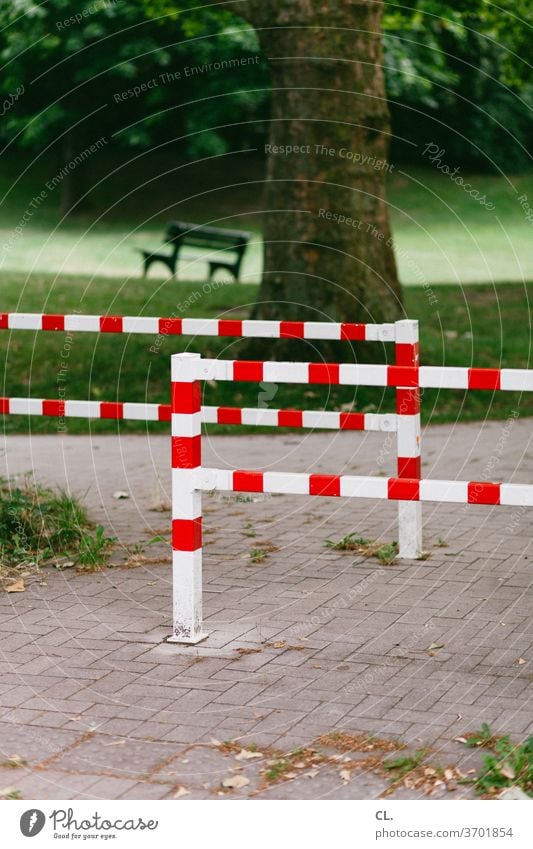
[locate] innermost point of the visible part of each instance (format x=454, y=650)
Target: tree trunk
x=328, y=249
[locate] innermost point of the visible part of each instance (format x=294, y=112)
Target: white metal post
x=408, y=440
x=186, y=500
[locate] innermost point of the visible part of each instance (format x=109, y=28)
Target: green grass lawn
x=482, y=325
x=442, y=235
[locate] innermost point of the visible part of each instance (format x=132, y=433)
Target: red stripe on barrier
x=403, y=489
x=352, y=421
x=4, y=321
x=164, y=413
x=111, y=324
x=111, y=411
x=407, y=354
x=229, y=327
x=353, y=331
x=53, y=408
x=170, y=326
x=291, y=330
x=186, y=452
x=185, y=397
x=53, y=322
x=229, y=415
x=402, y=376
x=248, y=481
x=483, y=493
x=323, y=373
x=324, y=485
x=290, y=418
x=247, y=370
x=407, y=402
x=409, y=467
x=4, y=406
x=484, y=378
x=187, y=534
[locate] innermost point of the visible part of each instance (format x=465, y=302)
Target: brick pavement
x=306, y=642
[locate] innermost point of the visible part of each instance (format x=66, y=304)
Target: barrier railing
x=406, y=421
x=186, y=414
x=190, y=478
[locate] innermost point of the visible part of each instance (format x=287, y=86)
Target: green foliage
x=452, y=77
x=92, y=549
x=508, y=764
x=401, y=766
x=85, y=62
x=38, y=524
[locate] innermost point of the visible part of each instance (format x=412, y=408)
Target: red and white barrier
x=319, y=419
x=171, y=326
x=189, y=479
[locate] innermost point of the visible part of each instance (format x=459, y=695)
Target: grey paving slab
x=308, y=642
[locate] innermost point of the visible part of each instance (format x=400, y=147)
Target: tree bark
x=328, y=249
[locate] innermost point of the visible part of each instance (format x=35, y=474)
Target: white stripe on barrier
x=354, y=486
x=184, y=504
x=408, y=430
x=366, y=375
x=87, y=409
x=286, y=372
x=186, y=424
x=140, y=324
x=264, y=329
x=265, y=417
x=379, y=333
x=444, y=377
x=26, y=406
x=25, y=321
x=286, y=483
x=517, y=379
x=200, y=326
x=516, y=495
x=141, y=412
x=322, y=330
x=381, y=421
x=449, y=491
x=84, y=323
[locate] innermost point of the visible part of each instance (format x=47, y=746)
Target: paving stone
x=89, y=651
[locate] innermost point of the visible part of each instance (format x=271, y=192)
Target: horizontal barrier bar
x=321, y=419
x=199, y=327
x=353, y=486
x=434, y=377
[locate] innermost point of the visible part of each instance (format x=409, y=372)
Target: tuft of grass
x=92, y=549
x=385, y=552
x=258, y=555
x=484, y=738
x=403, y=765
x=277, y=769
x=348, y=543
x=39, y=525
x=506, y=765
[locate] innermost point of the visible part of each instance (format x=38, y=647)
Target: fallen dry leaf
x=121, y=494
x=449, y=774
x=181, y=791
x=235, y=782
x=507, y=770
x=435, y=646
x=17, y=586
x=519, y=662
x=311, y=773
x=247, y=755
x=345, y=774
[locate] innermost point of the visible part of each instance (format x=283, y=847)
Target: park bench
x=179, y=233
